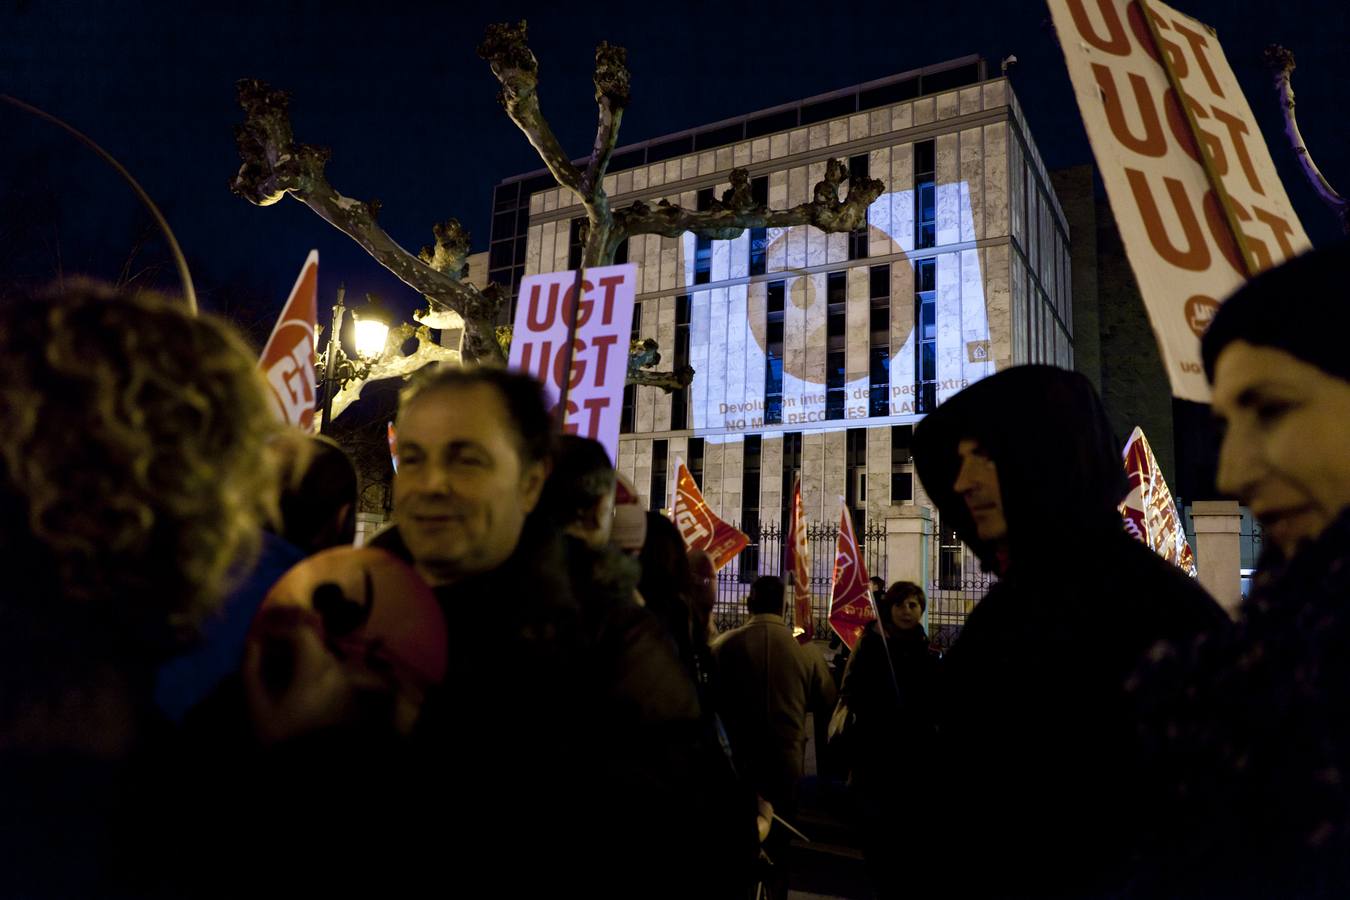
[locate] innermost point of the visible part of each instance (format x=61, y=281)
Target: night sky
x=410, y=112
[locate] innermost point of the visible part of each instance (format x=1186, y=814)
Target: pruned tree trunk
x=274, y=166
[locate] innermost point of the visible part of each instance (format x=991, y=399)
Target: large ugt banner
x=1185, y=253
x=1149, y=511
x=604, y=324
x=850, y=600
x=287, y=361
x=699, y=525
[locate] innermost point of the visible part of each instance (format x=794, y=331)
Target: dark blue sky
x=410, y=112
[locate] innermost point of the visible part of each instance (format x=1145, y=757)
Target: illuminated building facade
x=816, y=354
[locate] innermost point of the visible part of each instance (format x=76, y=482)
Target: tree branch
x=611, y=95
x=642, y=356
x=1281, y=63
x=506, y=51
x=737, y=210
x=274, y=165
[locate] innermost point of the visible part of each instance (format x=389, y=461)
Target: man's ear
x=532, y=478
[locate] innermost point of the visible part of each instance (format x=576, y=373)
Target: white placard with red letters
x=604, y=323
x=1175, y=232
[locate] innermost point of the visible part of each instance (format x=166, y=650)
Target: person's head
x=133, y=477
x=877, y=585
x=977, y=484
x=667, y=582
x=473, y=453
x=902, y=606
x=629, y=530
x=766, y=596
x=1275, y=354
x=705, y=587
x=1021, y=463
x=579, y=493
x=318, y=492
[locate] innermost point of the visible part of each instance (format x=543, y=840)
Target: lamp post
x=335, y=368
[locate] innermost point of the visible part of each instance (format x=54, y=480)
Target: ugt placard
x=1185, y=255
x=604, y=322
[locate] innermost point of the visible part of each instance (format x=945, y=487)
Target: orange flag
x=287, y=362
x=850, y=600
x=699, y=525
x=799, y=567
x=1149, y=511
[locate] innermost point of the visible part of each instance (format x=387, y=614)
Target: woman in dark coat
x=1252, y=733
x=890, y=691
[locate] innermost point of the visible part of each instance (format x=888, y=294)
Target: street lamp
x=334, y=367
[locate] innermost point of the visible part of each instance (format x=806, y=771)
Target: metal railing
x=765, y=556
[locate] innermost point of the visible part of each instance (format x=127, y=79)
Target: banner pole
x=565, y=387
x=1225, y=202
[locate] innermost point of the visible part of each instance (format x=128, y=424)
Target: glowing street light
x=335, y=368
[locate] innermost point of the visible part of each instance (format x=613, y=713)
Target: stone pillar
x=909, y=533
x=1218, y=551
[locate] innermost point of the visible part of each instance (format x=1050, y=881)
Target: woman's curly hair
x=134, y=479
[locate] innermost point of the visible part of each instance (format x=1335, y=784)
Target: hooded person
x=1036, y=730
x=1251, y=733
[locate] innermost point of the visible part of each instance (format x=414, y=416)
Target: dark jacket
x=1037, y=737
x=1251, y=737
x=570, y=733
x=769, y=683
x=893, y=704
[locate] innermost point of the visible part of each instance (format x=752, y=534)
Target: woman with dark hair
x=1250, y=731
x=890, y=696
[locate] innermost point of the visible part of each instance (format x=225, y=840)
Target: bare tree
x=274, y=166
x=1281, y=63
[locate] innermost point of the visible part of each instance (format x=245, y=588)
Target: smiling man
x=567, y=731
x=1037, y=729
x=473, y=455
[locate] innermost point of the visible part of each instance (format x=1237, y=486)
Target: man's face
x=462, y=490
x=907, y=614
x=977, y=483
x=1286, y=451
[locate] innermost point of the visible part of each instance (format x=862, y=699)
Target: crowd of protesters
x=516, y=689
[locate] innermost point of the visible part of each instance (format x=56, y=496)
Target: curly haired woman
x=132, y=485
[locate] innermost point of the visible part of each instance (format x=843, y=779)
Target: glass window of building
x=925, y=195
x=576, y=242
x=660, y=462
x=902, y=479
x=750, y=506
x=925, y=314
x=679, y=400
x=626, y=415
x=759, y=237
x=703, y=245
x=879, y=356
x=857, y=238
x=835, y=393
x=773, y=355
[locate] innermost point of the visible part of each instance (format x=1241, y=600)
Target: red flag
x=799, y=567
x=699, y=525
x=850, y=600
x=1149, y=511
x=287, y=362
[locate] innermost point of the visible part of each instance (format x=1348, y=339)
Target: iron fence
x=765, y=555
x=956, y=584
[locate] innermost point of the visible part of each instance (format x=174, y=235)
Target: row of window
x=506, y=258
x=879, y=352
x=902, y=480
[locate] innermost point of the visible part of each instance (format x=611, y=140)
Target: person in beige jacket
x=768, y=684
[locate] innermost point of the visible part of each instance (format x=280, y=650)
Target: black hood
x=1059, y=465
